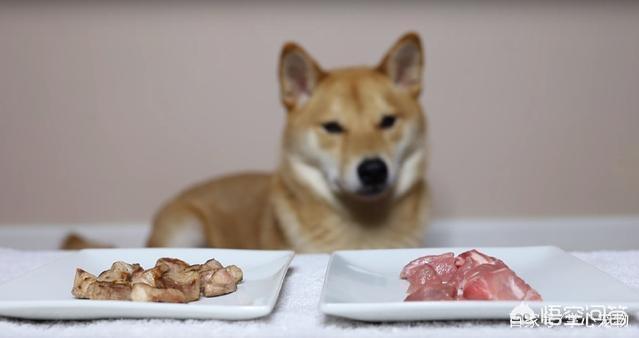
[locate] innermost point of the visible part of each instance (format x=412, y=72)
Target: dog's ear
x=404, y=63
x=299, y=74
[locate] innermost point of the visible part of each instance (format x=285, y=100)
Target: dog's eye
x=387, y=121
x=333, y=127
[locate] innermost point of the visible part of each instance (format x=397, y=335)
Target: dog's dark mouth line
x=372, y=190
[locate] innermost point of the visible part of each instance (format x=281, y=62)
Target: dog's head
x=356, y=131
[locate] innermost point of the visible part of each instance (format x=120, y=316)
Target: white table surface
x=297, y=314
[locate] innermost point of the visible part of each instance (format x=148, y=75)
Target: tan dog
x=351, y=173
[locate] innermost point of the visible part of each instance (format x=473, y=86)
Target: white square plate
x=45, y=293
x=365, y=285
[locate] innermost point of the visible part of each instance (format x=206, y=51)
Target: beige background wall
x=107, y=110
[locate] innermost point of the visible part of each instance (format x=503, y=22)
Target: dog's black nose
x=373, y=173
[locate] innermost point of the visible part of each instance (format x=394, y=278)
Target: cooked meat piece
x=175, y=274
x=470, y=276
x=217, y=282
x=171, y=280
x=119, y=272
x=87, y=286
x=188, y=282
x=220, y=284
x=168, y=274
x=113, y=276
x=150, y=277
x=110, y=291
x=172, y=264
x=236, y=272
x=211, y=264
x=145, y=293
x=81, y=283
x=124, y=266
x=194, y=267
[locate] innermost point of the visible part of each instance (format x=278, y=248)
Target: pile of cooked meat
x=170, y=280
x=471, y=275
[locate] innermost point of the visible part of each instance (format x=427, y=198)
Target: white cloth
x=297, y=313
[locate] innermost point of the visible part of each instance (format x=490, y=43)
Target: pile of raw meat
x=470, y=276
x=171, y=280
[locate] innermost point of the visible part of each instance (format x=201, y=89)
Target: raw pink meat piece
x=471, y=275
x=493, y=282
x=444, y=264
x=426, y=275
x=470, y=262
x=477, y=257
x=432, y=272
x=437, y=292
